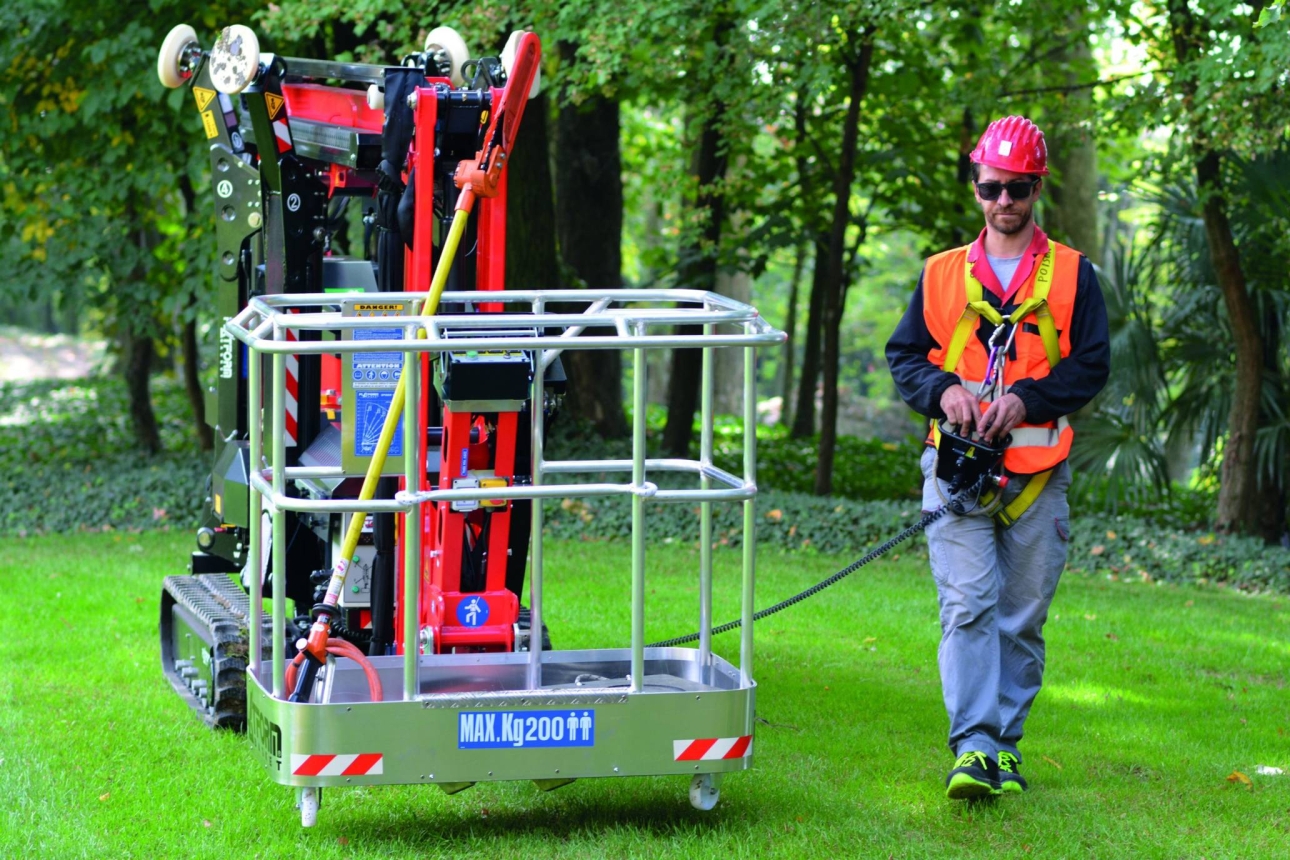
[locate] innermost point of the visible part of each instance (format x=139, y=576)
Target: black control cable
x=928, y=518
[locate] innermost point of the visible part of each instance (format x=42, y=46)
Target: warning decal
x=208, y=122
x=481, y=730
x=203, y=97
x=274, y=103
x=363, y=764
x=712, y=749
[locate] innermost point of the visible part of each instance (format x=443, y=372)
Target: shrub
x=68, y=461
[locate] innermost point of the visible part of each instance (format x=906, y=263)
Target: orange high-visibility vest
x=953, y=307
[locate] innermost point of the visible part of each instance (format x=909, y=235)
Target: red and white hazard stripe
x=362, y=764
x=712, y=749
x=282, y=134
x=293, y=391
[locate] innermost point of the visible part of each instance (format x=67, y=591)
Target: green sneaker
x=1010, y=778
x=975, y=775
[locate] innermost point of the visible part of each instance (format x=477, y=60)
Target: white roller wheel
x=235, y=59
x=449, y=41
x=508, y=61
x=173, y=48
x=705, y=791
x=308, y=806
x=375, y=98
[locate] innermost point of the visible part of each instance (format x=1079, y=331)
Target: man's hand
x=961, y=408
x=1001, y=416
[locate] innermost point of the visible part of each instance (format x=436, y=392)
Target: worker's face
x=1006, y=215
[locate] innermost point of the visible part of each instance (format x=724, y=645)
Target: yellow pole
x=340, y=565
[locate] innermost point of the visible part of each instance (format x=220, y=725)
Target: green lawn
x=1155, y=696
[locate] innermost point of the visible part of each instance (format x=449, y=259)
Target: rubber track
x=218, y=603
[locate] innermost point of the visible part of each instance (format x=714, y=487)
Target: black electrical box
x=485, y=375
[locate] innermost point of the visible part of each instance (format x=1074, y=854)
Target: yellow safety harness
x=976, y=308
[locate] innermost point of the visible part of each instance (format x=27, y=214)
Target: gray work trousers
x=994, y=585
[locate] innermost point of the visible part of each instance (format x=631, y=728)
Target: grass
x=1155, y=695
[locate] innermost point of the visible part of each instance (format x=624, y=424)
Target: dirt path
x=29, y=355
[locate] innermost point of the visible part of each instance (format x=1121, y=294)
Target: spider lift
x=405, y=397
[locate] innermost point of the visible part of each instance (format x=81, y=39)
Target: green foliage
x=1171, y=340
x=863, y=469
x=68, y=462
x=1135, y=549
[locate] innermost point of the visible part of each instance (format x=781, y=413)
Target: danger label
x=481, y=730
x=273, y=103
x=203, y=97
x=208, y=122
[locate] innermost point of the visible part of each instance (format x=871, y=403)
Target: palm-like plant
x=1172, y=359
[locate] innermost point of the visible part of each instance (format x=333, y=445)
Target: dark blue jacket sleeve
x=919, y=382
x=1078, y=377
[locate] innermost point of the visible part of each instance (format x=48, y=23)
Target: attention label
x=374, y=376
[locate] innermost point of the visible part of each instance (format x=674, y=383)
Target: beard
x=1010, y=227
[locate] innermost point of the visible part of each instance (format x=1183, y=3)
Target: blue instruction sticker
x=370, y=409
x=473, y=611
x=375, y=376
x=485, y=730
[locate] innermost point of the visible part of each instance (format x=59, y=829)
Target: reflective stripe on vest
x=1023, y=435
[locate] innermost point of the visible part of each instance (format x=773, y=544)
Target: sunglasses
x=1018, y=189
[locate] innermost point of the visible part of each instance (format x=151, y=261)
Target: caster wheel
x=508, y=62
x=447, y=48
x=235, y=59
x=705, y=791
x=309, y=802
x=171, y=66
x=375, y=98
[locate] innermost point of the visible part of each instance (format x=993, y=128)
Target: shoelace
x=971, y=758
x=1007, y=762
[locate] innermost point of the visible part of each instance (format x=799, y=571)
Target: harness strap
x=976, y=307
x=1011, y=512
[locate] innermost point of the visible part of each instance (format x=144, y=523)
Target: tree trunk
x=1072, y=214
x=531, y=262
x=697, y=271
x=728, y=364
x=804, y=410
x=963, y=175
x=193, y=387
x=790, y=328
x=589, y=226
x=138, y=352
x=1238, y=492
x=831, y=301
x=1272, y=504
x=137, y=348
x=803, y=424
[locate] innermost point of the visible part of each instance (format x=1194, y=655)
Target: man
x=996, y=566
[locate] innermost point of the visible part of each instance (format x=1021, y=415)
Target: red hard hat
x=1013, y=143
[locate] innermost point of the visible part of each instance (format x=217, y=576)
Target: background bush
x=68, y=461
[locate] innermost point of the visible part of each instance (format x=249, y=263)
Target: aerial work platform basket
x=454, y=719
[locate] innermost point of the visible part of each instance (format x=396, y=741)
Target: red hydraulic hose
x=341, y=648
